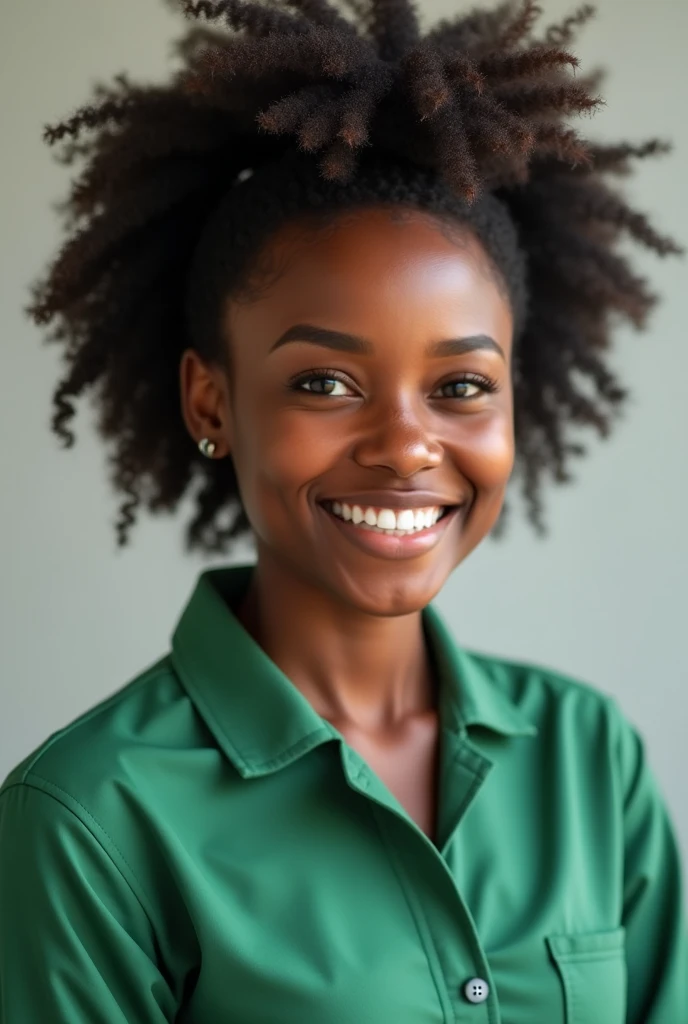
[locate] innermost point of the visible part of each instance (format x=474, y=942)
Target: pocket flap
x=587, y=945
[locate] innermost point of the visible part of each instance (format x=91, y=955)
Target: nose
x=399, y=440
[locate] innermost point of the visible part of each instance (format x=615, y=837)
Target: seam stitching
x=49, y=786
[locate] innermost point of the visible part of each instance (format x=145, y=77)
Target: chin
x=391, y=591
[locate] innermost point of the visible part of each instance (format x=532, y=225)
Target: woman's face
x=316, y=415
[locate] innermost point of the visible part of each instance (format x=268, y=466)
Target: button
x=476, y=990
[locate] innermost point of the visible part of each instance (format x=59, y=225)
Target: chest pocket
x=592, y=969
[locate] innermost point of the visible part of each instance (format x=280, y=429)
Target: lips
x=388, y=545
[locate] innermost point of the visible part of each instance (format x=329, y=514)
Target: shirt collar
x=262, y=721
x=470, y=690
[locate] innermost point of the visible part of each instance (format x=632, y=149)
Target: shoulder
x=555, y=700
x=78, y=817
x=109, y=746
x=518, y=676
x=582, y=731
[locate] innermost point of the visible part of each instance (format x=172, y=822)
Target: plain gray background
x=603, y=598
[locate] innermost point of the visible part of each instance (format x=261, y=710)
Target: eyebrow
x=343, y=342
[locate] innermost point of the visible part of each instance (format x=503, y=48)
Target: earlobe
x=204, y=403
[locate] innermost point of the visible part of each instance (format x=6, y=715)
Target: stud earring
x=207, y=447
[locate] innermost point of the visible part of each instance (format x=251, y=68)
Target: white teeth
x=406, y=520
x=387, y=520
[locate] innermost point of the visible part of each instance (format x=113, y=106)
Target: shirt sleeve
x=76, y=946
x=653, y=892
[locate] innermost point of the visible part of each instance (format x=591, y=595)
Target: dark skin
x=342, y=623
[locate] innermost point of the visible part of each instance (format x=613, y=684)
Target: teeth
x=386, y=520
x=406, y=520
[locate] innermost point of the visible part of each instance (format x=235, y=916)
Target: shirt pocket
x=592, y=969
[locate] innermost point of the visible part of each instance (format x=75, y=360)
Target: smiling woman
x=355, y=280
x=418, y=408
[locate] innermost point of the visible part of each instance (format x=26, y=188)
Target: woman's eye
x=328, y=382
x=462, y=389
x=328, y=386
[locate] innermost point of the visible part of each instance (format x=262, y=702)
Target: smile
x=361, y=526
x=397, y=523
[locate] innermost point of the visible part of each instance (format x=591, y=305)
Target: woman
x=348, y=278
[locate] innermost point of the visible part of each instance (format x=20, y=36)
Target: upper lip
x=394, y=499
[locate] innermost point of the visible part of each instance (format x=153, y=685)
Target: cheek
x=485, y=454
x=277, y=460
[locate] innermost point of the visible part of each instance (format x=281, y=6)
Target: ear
x=206, y=401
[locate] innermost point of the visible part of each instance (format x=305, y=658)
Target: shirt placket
x=465, y=986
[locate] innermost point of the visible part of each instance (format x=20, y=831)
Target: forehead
x=379, y=268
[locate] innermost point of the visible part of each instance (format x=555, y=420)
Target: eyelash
x=487, y=385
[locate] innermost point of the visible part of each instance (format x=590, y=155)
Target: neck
x=359, y=671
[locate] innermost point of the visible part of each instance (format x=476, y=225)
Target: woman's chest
x=328, y=902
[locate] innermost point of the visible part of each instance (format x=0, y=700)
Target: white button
x=476, y=990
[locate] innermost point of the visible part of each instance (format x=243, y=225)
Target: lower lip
x=394, y=547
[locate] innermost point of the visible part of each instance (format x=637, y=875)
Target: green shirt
x=203, y=847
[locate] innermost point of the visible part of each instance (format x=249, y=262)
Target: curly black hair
x=478, y=106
